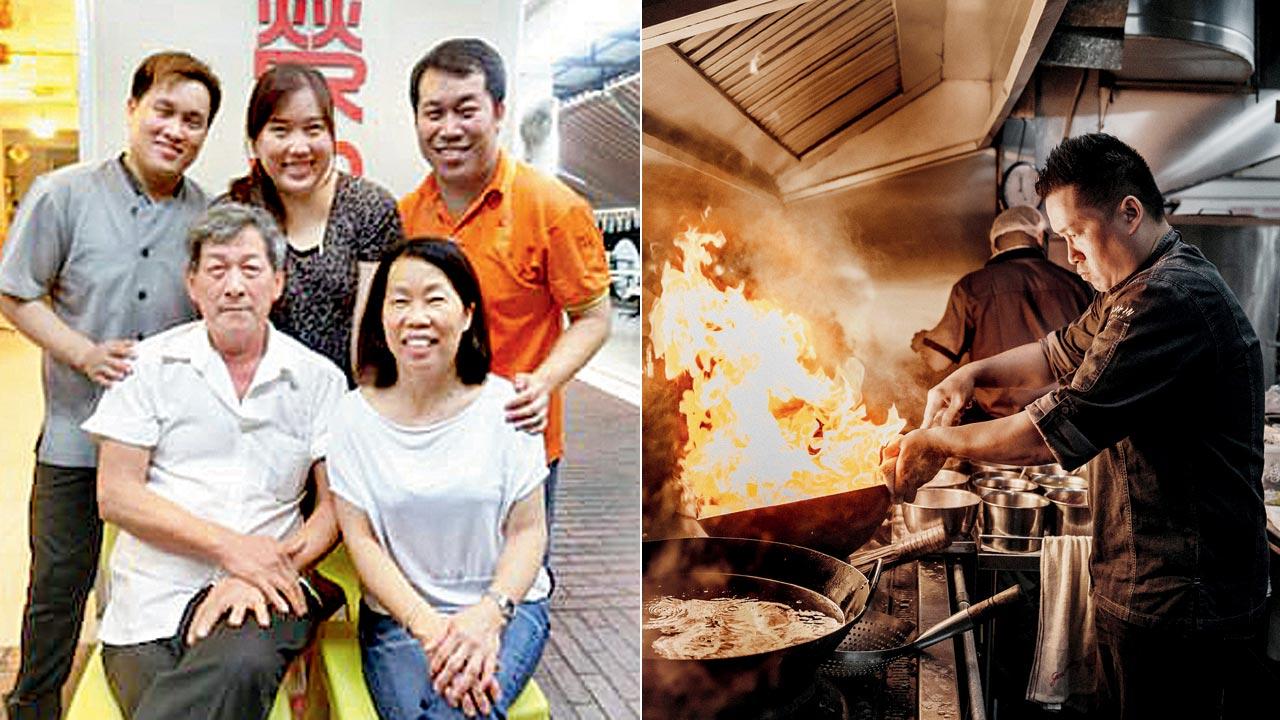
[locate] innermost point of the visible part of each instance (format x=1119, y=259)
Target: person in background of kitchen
x=204, y=453
x=1159, y=384
x=533, y=242
x=1018, y=297
x=93, y=264
x=337, y=225
x=439, y=498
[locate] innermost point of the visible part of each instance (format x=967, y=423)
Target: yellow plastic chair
x=93, y=699
x=340, y=657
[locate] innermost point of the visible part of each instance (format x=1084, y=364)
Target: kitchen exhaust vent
x=1189, y=41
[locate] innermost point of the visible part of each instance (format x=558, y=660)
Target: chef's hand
x=915, y=460
x=107, y=362
x=528, y=409
x=947, y=400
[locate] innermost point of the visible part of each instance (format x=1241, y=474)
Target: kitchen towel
x=1063, y=669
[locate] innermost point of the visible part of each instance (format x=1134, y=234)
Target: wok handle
x=871, y=592
x=966, y=619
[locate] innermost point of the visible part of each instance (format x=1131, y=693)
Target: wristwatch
x=506, y=606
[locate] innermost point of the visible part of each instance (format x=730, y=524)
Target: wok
x=833, y=524
x=723, y=567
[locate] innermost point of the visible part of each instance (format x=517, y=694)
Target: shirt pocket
x=288, y=460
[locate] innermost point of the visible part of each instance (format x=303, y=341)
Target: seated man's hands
x=267, y=564
x=464, y=658
x=233, y=598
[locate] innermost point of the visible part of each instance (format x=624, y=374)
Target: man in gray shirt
x=93, y=263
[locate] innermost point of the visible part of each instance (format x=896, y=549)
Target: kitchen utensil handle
x=912, y=547
x=871, y=591
x=967, y=618
x=875, y=579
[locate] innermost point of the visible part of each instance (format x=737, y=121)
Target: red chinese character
x=282, y=23
x=335, y=24
x=322, y=61
x=338, y=26
x=349, y=152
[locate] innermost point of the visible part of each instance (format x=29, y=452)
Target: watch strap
x=506, y=606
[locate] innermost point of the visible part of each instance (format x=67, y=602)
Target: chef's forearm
x=1024, y=366
x=1013, y=440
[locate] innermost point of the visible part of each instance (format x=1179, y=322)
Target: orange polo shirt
x=538, y=254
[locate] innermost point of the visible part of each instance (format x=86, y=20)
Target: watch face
x=1019, y=187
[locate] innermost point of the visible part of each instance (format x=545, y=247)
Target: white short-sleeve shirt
x=438, y=495
x=240, y=463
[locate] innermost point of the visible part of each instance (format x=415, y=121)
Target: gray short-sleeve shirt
x=111, y=262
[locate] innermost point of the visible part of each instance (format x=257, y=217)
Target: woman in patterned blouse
x=337, y=225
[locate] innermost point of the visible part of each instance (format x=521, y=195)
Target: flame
x=766, y=424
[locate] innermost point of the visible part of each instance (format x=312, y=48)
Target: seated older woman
x=439, y=498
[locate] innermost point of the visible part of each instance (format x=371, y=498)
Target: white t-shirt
x=438, y=495
x=241, y=463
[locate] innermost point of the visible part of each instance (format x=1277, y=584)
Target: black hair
x=272, y=88
x=164, y=66
x=1103, y=171
x=461, y=57
x=374, y=361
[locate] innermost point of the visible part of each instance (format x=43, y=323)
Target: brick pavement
x=591, y=667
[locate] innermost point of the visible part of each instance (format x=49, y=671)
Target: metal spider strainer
x=878, y=639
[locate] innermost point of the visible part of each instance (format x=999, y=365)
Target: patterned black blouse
x=321, y=283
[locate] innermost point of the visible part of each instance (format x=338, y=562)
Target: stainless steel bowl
x=1071, y=513
x=1059, y=482
x=956, y=510
x=1019, y=516
x=948, y=479
x=985, y=466
x=987, y=482
x=1033, y=472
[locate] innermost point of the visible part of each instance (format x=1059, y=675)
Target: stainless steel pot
x=1056, y=482
x=986, y=482
x=1016, y=519
x=1071, y=513
x=955, y=510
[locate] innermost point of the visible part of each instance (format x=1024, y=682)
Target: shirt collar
x=1159, y=250
x=498, y=187
x=1014, y=253
x=195, y=348
x=136, y=184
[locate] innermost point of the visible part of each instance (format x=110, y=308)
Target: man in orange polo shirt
x=532, y=240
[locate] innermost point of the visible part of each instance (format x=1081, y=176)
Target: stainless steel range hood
x=804, y=97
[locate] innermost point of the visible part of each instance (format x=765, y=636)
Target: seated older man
x=204, y=453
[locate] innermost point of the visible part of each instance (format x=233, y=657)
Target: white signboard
x=365, y=48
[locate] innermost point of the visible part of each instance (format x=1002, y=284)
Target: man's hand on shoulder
x=230, y=597
x=528, y=409
x=107, y=362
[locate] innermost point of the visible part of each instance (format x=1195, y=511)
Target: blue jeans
x=398, y=678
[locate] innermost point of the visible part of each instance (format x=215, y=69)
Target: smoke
x=812, y=261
